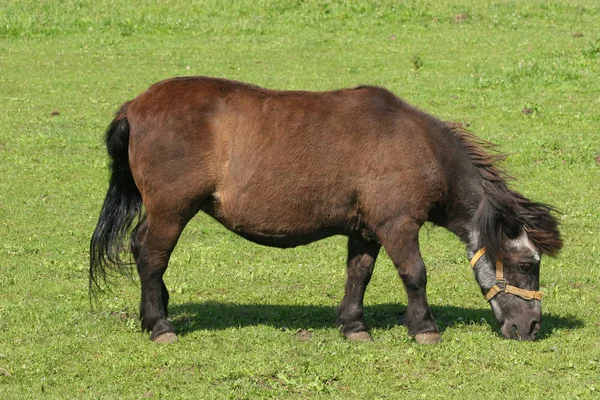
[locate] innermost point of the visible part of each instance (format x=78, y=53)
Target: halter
x=501, y=285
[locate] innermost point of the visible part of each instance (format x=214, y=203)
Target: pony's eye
x=526, y=268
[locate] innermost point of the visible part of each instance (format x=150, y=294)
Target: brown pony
x=286, y=168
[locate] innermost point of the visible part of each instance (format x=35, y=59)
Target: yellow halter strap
x=501, y=285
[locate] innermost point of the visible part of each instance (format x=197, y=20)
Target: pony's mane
x=482, y=153
x=504, y=212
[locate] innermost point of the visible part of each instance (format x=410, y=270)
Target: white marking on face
x=523, y=242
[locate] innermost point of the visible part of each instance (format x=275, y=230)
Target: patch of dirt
x=304, y=335
x=577, y=285
x=121, y=315
x=459, y=18
x=526, y=110
x=578, y=34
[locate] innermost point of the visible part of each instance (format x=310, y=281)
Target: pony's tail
x=122, y=206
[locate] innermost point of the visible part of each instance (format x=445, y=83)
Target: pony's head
x=511, y=234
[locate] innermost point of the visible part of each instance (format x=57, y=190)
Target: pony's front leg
x=361, y=261
x=401, y=241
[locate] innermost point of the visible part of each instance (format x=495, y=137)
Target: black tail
x=122, y=206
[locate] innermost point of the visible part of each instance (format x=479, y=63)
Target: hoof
x=168, y=337
x=362, y=336
x=428, y=338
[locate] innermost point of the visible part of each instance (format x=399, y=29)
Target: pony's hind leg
x=138, y=237
x=361, y=261
x=157, y=238
x=401, y=241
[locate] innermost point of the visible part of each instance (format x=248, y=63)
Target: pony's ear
x=510, y=225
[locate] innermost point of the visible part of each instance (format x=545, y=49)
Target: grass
x=256, y=322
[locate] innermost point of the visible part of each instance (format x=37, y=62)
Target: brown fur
x=285, y=168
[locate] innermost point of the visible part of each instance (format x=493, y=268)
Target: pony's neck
x=462, y=217
x=475, y=177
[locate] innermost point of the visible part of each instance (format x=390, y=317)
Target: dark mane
x=503, y=212
x=482, y=153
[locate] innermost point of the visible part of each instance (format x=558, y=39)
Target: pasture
x=258, y=322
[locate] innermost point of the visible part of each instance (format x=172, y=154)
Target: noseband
x=501, y=285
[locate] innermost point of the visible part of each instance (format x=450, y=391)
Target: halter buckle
x=501, y=284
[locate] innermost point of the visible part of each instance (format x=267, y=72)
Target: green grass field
x=256, y=322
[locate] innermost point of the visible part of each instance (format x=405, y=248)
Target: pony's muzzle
x=519, y=319
x=521, y=328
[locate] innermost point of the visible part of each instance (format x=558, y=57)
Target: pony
x=286, y=168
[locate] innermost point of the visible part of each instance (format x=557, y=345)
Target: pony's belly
x=287, y=222
x=285, y=239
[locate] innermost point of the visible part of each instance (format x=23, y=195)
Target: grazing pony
x=286, y=168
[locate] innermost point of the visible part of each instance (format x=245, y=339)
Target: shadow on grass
x=190, y=317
